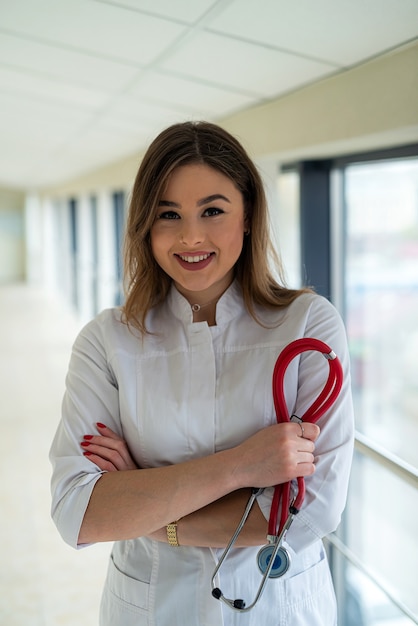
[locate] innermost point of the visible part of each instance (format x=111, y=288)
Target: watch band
x=172, y=534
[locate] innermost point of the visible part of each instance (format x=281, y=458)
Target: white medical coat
x=187, y=391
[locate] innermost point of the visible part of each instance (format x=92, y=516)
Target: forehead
x=197, y=181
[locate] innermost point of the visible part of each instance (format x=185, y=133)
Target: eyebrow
x=202, y=202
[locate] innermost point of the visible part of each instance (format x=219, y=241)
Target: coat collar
x=229, y=305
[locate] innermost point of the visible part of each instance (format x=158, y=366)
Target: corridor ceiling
x=87, y=82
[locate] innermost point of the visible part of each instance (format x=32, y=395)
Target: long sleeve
x=91, y=396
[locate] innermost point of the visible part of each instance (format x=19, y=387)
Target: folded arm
x=208, y=495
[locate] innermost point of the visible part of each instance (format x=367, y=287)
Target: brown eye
x=168, y=215
x=212, y=211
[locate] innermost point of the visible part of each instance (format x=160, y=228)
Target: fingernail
x=100, y=425
x=87, y=453
x=85, y=444
x=88, y=437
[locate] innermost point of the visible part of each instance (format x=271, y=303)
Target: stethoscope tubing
x=315, y=411
x=281, y=498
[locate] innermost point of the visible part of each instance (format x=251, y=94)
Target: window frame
x=322, y=228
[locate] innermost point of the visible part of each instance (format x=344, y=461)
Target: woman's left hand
x=107, y=450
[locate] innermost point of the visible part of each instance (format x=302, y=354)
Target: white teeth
x=194, y=259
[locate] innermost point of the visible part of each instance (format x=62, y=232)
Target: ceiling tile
x=38, y=88
x=97, y=147
x=142, y=117
x=255, y=70
x=104, y=29
x=70, y=65
x=337, y=31
x=193, y=97
x=98, y=143
x=23, y=117
x=31, y=134
x=180, y=10
x=43, y=159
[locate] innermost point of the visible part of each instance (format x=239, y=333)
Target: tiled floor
x=43, y=582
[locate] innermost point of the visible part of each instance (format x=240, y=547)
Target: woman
x=174, y=391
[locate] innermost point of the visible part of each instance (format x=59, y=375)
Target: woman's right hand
x=273, y=455
x=277, y=454
x=107, y=450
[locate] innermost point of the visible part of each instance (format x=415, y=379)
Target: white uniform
x=189, y=391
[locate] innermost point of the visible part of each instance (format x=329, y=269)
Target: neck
x=198, y=307
x=205, y=312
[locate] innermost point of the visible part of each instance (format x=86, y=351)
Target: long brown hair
x=146, y=284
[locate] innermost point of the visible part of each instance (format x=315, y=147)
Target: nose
x=191, y=233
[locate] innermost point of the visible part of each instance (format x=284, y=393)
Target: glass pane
x=287, y=226
x=382, y=300
x=365, y=604
x=380, y=528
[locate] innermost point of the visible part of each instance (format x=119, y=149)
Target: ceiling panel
x=56, y=62
x=104, y=29
x=191, y=96
x=178, y=10
x=43, y=89
x=98, y=142
x=265, y=72
x=145, y=116
x=340, y=32
x=31, y=134
x=60, y=154
x=22, y=116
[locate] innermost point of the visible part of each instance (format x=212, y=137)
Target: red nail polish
x=85, y=444
x=100, y=425
x=88, y=437
x=87, y=453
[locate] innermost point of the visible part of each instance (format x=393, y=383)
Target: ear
x=247, y=228
x=246, y=225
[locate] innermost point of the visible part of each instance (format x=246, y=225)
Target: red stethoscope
x=273, y=559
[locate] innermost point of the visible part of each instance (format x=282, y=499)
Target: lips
x=195, y=261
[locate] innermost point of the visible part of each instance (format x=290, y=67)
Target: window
x=119, y=221
x=381, y=314
x=381, y=302
x=287, y=225
x=367, y=206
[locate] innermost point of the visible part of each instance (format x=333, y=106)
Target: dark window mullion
x=315, y=225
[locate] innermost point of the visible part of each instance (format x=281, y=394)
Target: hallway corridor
x=43, y=582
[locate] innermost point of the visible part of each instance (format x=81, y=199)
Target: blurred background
x=324, y=96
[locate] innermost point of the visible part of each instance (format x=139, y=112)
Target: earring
x=247, y=232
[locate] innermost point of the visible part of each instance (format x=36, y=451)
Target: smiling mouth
x=195, y=258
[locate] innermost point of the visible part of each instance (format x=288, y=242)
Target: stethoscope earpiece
x=281, y=561
x=239, y=604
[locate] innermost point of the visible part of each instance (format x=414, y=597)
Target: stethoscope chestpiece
x=281, y=561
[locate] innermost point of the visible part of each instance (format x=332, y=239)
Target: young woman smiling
x=168, y=417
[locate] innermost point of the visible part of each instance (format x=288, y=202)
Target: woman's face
x=198, y=232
